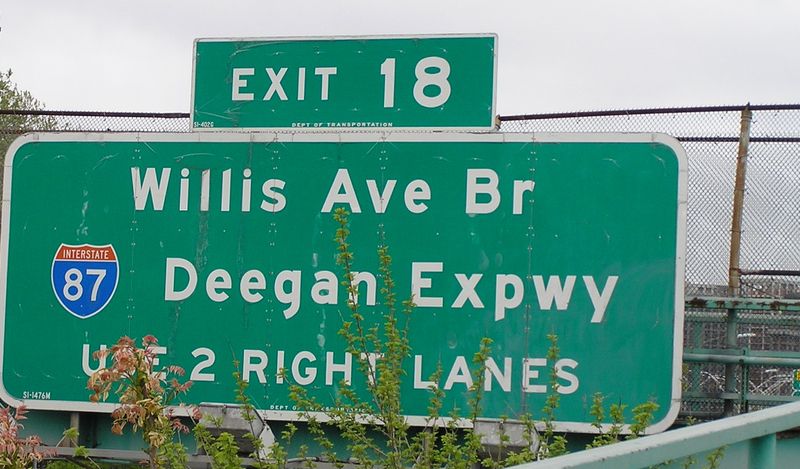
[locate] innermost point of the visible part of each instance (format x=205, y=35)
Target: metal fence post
x=762, y=452
x=74, y=422
x=734, y=285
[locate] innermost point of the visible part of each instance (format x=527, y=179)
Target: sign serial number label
x=39, y=395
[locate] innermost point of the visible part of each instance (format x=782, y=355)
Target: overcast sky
x=562, y=55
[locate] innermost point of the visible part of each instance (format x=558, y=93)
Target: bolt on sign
x=373, y=83
x=222, y=246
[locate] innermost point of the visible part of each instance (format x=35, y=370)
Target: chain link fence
x=15, y=122
x=710, y=136
x=770, y=240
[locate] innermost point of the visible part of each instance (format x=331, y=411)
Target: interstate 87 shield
x=222, y=246
x=84, y=278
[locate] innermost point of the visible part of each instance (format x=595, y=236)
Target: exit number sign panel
x=371, y=83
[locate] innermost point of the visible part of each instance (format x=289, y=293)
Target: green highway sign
x=221, y=245
x=796, y=382
x=375, y=83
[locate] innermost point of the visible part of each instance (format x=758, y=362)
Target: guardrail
x=756, y=431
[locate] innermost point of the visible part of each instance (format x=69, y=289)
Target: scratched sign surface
x=221, y=245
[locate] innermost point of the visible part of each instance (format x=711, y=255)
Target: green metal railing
x=743, y=382
x=754, y=434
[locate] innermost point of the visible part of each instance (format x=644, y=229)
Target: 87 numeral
x=73, y=278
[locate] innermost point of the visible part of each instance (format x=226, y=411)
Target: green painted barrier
x=757, y=431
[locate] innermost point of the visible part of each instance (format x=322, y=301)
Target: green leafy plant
x=17, y=452
x=609, y=434
x=222, y=450
x=642, y=418
x=552, y=445
x=375, y=430
x=613, y=432
x=715, y=458
x=379, y=348
x=81, y=455
x=12, y=125
x=145, y=395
